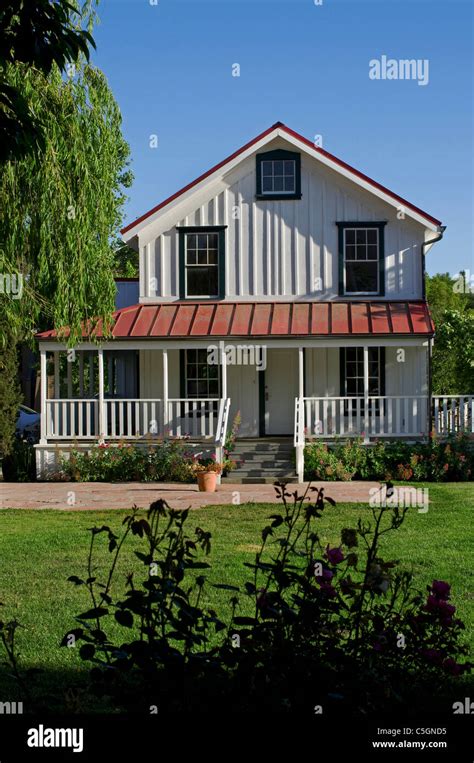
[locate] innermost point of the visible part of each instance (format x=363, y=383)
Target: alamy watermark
x=11, y=283
x=238, y=355
x=409, y=497
x=417, y=69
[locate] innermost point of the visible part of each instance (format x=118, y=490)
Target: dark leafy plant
x=337, y=626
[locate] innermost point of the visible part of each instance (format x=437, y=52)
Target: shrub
x=168, y=461
x=337, y=623
x=436, y=461
x=20, y=464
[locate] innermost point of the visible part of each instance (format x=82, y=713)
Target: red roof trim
x=306, y=142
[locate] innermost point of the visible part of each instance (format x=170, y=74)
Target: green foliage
x=437, y=461
x=10, y=396
x=19, y=465
x=125, y=261
x=67, y=200
x=40, y=34
x=320, y=616
x=167, y=461
x=452, y=310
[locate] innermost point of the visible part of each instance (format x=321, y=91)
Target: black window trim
x=278, y=154
x=182, y=232
x=380, y=226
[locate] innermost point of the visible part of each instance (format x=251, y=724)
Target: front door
x=281, y=388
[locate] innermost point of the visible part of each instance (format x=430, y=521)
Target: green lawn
x=40, y=549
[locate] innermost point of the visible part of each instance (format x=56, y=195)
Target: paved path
x=94, y=495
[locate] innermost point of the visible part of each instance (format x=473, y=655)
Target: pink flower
x=326, y=576
x=334, y=555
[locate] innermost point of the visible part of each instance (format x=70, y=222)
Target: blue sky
x=307, y=65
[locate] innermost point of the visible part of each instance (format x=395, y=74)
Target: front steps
x=263, y=459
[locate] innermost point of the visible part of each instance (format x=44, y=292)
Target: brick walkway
x=93, y=495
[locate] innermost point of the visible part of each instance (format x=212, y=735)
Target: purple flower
x=334, y=555
x=441, y=589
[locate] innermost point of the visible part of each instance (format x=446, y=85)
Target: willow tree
x=60, y=208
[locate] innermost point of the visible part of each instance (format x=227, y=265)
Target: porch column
x=69, y=362
x=300, y=372
x=224, y=372
x=366, y=394
x=100, y=356
x=81, y=374
x=43, y=392
x=165, y=392
x=57, y=389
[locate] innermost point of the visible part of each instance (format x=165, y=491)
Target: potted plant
x=206, y=471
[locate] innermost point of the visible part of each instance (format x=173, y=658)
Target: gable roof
x=266, y=319
x=281, y=130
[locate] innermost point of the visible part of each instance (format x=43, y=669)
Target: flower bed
x=435, y=461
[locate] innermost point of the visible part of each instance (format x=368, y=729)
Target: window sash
x=358, y=248
x=201, y=254
x=201, y=380
x=268, y=171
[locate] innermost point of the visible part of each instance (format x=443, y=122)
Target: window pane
x=350, y=252
x=212, y=256
x=278, y=167
x=212, y=240
x=191, y=240
x=351, y=369
x=350, y=236
x=267, y=168
x=214, y=388
x=191, y=257
x=202, y=282
x=267, y=184
x=289, y=166
x=361, y=236
x=202, y=389
x=289, y=183
x=361, y=253
x=202, y=241
x=372, y=236
x=192, y=371
x=278, y=183
x=202, y=257
x=361, y=276
x=201, y=356
x=372, y=252
x=351, y=353
x=191, y=388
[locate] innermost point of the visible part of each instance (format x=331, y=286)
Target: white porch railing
x=76, y=419
x=386, y=416
x=453, y=413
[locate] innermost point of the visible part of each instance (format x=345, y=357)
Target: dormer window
x=279, y=175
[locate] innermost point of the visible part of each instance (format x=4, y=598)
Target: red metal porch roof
x=267, y=319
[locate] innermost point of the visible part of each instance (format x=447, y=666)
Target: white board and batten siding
x=281, y=249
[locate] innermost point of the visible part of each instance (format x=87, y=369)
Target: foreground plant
x=316, y=625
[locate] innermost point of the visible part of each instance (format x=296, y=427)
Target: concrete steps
x=263, y=460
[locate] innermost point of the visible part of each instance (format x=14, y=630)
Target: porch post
x=165, y=393
x=43, y=392
x=366, y=394
x=69, y=363
x=224, y=372
x=100, y=355
x=300, y=372
x=81, y=374
x=57, y=389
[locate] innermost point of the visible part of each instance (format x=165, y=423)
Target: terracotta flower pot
x=207, y=482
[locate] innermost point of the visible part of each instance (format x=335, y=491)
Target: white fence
x=453, y=413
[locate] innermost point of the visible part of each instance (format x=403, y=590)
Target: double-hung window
x=361, y=259
x=202, y=262
x=202, y=379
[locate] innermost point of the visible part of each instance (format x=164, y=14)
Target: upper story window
x=361, y=259
x=279, y=175
x=202, y=262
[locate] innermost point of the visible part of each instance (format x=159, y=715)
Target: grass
x=39, y=550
